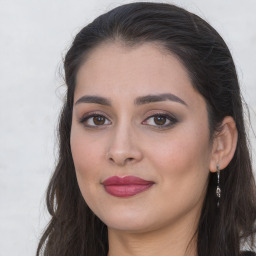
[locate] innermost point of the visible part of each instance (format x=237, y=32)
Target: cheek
x=84, y=156
x=183, y=147
x=182, y=162
x=86, y=148
x=87, y=155
x=181, y=154
x=88, y=167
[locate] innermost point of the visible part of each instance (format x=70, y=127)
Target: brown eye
x=160, y=120
x=99, y=120
x=95, y=120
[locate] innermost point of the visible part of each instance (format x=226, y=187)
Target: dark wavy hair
x=73, y=228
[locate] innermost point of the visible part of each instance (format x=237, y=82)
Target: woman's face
x=139, y=138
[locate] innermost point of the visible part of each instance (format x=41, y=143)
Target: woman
x=153, y=151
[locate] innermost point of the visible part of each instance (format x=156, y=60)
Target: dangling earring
x=218, y=190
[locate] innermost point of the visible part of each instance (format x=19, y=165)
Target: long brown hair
x=73, y=228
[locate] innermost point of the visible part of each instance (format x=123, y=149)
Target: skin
x=177, y=155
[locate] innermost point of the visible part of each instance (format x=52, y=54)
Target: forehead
x=115, y=69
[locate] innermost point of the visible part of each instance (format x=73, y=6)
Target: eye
x=95, y=120
x=160, y=120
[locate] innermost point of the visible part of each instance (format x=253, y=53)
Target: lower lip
x=126, y=190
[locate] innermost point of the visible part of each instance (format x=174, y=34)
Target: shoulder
x=247, y=253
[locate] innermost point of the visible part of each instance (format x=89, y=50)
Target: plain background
x=34, y=37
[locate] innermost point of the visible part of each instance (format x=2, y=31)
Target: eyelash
x=172, y=120
x=85, y=118
x=169, y=118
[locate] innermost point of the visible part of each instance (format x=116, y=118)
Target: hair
x=74, y=229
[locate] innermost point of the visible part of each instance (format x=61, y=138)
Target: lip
x=126, y=186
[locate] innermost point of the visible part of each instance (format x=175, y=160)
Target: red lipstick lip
x=126, y=186
x=126, y=180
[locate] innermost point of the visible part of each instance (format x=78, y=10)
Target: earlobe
x=224, y=144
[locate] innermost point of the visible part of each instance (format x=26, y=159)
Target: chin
x=132, y=221
x=126, y=220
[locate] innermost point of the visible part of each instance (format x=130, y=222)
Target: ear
x=224, y=144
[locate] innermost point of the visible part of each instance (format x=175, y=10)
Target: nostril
x=128, y=160
x=121, y=161
x=111, y=159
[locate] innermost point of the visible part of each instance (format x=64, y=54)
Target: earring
x=218, y=190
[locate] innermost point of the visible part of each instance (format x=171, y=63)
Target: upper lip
x=126, y=180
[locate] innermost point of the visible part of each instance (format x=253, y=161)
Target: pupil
x=99, y=120
x=160, y=120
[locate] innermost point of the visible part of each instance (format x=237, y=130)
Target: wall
x=34, y=37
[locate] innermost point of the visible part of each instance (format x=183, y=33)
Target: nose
x=124, y=147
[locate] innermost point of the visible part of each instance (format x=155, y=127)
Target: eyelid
x=173, y=120
x=88, y=115
x=153, y=113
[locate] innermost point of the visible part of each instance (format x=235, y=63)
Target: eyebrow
x=138, y=101
x=159, y=97
x=94, y=99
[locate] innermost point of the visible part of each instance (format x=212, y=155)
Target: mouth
x=126, y=186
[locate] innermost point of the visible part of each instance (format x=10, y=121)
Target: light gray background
x=34, y=36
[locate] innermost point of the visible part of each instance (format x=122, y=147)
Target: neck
x=173, y=240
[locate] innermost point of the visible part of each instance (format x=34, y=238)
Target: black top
x=248, y=253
